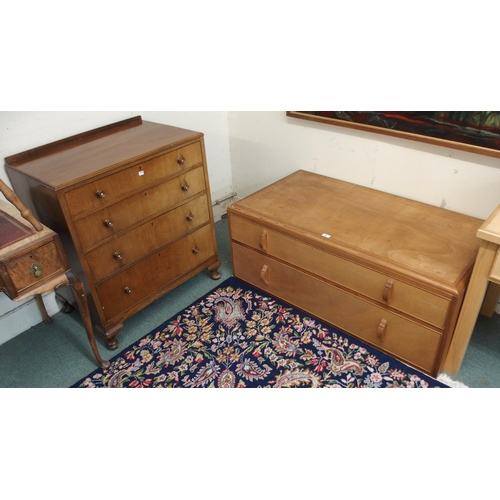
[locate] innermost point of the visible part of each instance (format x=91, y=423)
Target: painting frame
x=464, y=130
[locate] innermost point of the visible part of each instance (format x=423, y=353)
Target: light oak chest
x=131, y=203
x=388, y=270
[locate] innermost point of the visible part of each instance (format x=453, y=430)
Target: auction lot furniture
x=391, y=271
x=131, y=203
x=486, y=272
x=32, y=262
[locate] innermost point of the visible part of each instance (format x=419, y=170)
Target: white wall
x=266, y=146
x=20, y=131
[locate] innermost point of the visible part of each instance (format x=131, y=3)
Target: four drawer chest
x=131, y=203
x=388, y=270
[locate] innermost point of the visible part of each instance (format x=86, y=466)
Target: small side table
x=486, y=272
x=33, y=262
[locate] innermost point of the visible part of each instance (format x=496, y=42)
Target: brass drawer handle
x=185, y=187
x=181, y=160
x=264, y=274
x=195, y=250
x=100, y=194
x=386, y=295
x=118, y=256
x=382, y=329
x=36, y=269
x=128, y=290
x=190, y=217
x=108, y=223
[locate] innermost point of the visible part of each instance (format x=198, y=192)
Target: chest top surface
x=406, y=234
x=76, y=158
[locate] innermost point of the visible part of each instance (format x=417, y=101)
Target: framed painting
x=473, y=131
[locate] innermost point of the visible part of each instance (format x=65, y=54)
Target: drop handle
x=100, y=194
x=387, y=293
x=118, y=256
x=36, y=269
x=382, y=329
x=108, y=223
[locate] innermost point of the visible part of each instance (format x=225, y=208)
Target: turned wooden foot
x=214, y=273
x=110, y=336
x=112, y=344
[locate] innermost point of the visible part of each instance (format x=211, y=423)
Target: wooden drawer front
x=111, y=220
x=46, y=255
x=150, y=275
x=130, y=246
x=397, y=294
x=126, y=181
x=495, y=269
x=402, y=338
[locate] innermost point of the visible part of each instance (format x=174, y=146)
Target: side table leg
x=79, y=291
x=490, y=300
x=39, y=300
x=470, y=307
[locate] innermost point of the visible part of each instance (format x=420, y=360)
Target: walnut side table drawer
x=34, y=267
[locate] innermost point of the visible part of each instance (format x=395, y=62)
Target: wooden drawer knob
x=382, y=328
x=386, y=295
x=264, y=274
x=108, y=223
x=100, y=194
x=128, y=290
x=181, y=160
x=185, y=187
x=263, y=240
x=118, y=256
x=190, y=217
x=195, y=250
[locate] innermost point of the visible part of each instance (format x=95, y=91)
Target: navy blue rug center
x=236, y=336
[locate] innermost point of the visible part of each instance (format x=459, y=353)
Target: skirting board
x=25, y=315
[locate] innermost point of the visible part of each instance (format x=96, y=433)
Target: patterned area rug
x=238, y=337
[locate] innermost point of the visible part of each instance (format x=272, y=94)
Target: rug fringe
x=446, y=379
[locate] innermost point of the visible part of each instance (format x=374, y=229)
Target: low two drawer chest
x=131, y=203
x=388, y=270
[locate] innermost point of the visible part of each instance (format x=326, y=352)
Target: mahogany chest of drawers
x=388, y=270
x=131, y=203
